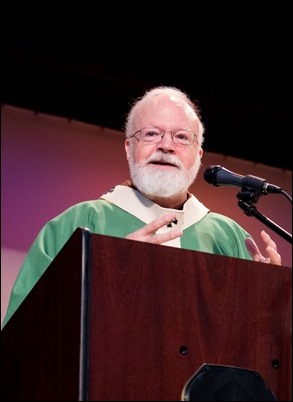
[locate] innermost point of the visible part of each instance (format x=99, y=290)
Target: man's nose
x=166, y=141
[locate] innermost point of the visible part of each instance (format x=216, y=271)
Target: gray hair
x=165, y=90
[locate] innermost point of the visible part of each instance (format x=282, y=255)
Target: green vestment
x=119, y=212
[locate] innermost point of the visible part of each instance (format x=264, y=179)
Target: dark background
x=236, y=66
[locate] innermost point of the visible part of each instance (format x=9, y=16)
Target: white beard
x=153, y=181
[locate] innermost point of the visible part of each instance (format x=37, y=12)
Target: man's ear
x=126, y=146
x=200, y=152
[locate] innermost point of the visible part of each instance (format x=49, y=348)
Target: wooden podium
x=116, y=319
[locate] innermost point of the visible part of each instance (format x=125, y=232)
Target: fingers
x=271, y=249
x=267, y=240
x=149, y=232
x=272, y=255
x=164, y=237
x=253, y=250
x=151, y=228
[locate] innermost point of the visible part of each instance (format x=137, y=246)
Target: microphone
x=217, y=175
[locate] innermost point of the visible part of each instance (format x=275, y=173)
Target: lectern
x=117, y=319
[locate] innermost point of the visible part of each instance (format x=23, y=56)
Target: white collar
x=133, y=202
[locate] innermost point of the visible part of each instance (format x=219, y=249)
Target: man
x=164, y=137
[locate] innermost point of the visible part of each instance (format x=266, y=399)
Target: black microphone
x=219, y=176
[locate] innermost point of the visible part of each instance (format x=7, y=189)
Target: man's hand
x=272, y=257
x=149, y=232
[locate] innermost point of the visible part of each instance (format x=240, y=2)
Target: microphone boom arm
x=251, y=210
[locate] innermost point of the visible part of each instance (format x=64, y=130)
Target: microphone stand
x=246, y=199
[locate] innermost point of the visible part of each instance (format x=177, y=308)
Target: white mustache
x=165, y=158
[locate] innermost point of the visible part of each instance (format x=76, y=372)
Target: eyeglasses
x=152, y=135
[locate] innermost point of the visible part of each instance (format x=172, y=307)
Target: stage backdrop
x=50, y=163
